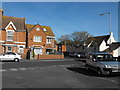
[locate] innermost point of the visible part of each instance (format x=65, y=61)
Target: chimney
x=1, y=12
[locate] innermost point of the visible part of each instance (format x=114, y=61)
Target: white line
x=22, y=68
x=31, y=68
x=108, y=80
x=13, y=69
x=3, y=70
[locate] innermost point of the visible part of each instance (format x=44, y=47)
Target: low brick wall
x=49, y=57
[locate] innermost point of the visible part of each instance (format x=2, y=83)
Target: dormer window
x=44, y=29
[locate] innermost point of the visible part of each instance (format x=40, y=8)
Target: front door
x=9, y=49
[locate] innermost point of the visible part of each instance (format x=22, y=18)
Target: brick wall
x=49, y=57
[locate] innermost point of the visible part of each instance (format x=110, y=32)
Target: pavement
x=65, y=59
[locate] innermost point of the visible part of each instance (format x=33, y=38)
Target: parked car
x=10, y=56
x=71, y=54
x=102, y=63
x=77, y=54
x=81, y=54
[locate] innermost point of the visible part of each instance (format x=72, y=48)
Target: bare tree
x=65, y=39
x=76, y=39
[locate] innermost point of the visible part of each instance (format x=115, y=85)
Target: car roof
x=10, y=53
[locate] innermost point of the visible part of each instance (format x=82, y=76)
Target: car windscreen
x=105, y=57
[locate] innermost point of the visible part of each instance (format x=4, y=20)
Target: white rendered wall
x=111, y=39
x=115, y=53
x=103, y=46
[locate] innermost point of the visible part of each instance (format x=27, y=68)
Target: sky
x=67, y=17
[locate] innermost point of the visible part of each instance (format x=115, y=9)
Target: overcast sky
x=67, y=17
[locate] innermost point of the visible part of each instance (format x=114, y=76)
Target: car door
x=5, y=56
x=93, y=62
x=12, y=56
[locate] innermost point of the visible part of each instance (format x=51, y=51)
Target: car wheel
x=99, y=72
x=16, y=60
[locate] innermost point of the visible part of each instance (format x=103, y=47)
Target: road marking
x=13, y=69
x=31, y=68
x=3, y=70
x=22, y=68
x=108, y=80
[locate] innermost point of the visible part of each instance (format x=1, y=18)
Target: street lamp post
x=109, y=25
x=109, y=19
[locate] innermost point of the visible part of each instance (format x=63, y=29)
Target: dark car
x=81, y=54
x=71, y=54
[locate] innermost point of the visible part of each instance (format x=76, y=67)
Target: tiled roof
x=55, y=42
x=89, y=40
x=97, y=40
x=113, y=46
x=29, y=27
x=18, y=22
x=49, y=31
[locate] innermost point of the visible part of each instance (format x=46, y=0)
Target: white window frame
x=9, y=50
x=11, y=23
x=9, y=35
x=38, y=29
x=37, y=38
x=21, y=49
x=49, y=40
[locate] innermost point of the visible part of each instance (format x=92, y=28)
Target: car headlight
x=107, y=66
x=78, y=55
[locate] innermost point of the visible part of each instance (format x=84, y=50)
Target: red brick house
x=41, y=41
x=12, y=34
x=19, y=37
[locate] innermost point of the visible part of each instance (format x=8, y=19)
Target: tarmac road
x=53, y=74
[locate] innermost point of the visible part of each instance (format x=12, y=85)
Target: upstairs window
x=49, y=40
x=37, y=39
x=38, y=29
x=9, y=35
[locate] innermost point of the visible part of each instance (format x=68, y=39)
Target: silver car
x=10, y=56
x=102, y=63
